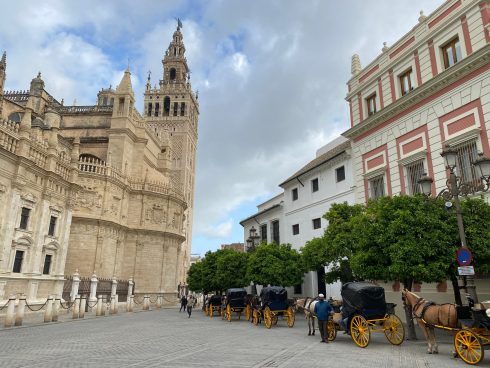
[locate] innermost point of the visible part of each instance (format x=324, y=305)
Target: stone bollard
x=92, y=299
x=83, y=305
x=10, y=317
x=100, y=303
x=116, y=306
x=130, y=303
x=159, y=301
x=19, y=316
x=112, y=309
x=56, y=308
x=76, y=307
x=74, y=286
x=146, y=302
x=48, y=313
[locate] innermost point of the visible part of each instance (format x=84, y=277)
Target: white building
x=295, y=215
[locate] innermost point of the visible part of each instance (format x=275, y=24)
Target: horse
x=428, y=315
x=307, y=306
x=254, y=302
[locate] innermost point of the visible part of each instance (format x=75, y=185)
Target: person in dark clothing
x=322, y=311
x=183, y=303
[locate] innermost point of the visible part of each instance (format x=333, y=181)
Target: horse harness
x=426, y=304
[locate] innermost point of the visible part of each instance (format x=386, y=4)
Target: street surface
x=167, y=338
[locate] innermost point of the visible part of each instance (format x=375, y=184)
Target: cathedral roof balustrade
x=95, y=109
x=17, y=96
x=9, y=135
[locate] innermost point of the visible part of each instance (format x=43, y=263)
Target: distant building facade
x=239, y=247
x=97, y=189
x=295, y=216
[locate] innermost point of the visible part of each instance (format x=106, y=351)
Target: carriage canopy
x=275, y=297
x=215, y=300
x=236, y=297
x=363, y=298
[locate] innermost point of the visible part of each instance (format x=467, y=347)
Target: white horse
x=307, y=306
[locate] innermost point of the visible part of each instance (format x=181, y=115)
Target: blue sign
x=464, y=256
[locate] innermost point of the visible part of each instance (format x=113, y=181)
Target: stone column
x=93, y=289
x=113, y=296
x=146, y=302
x=48, y=313
x=74, y=285
x=100, y=304
x=76, y=307
x=130, y=292
x=56, y=306
x=20, y=310
x=83, y=305
x=159, y=301
x=116, y=306
x=130, y=306
x=9, y=318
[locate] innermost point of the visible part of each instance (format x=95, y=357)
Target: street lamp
x=252, y=240
x=455, y=188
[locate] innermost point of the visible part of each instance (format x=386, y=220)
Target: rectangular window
x=414, y=172
x=340, y=174
x=317, y=223
x=298, y=289
x=314, y=185
x=24, y=217
x=295, y=194
x=406, y=82
x=52, y=225
x=296, y=229
x=376, y=187
x=371, y=104
x=275, y=232
x=467, y=153
x=47, y=264
x=19, y=256
x=451, y=53
x=263, y=233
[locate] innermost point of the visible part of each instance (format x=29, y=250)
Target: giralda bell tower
x=172, y=112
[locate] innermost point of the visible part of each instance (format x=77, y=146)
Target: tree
x=275, y=265
x=195, y=277
x=231, y=269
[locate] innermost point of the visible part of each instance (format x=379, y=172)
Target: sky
x=271, y=76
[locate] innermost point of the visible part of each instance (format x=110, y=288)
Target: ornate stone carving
x=156, y=215
x=88, y=199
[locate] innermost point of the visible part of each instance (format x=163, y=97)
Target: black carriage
x=213, y=304
x=236, y=301
x=364, y=310
x=274, y=302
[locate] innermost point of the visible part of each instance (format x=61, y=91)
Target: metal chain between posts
x=68, y=305
x=36, y=310
x=92, y=306
x=5, y=305
x=154, y=301
x=135, y=302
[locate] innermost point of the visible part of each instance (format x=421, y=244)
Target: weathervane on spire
x=179, y=24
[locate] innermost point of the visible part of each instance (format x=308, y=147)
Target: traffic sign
x=464, y=256
x=466, y=271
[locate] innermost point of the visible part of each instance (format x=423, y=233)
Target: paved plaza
x=167, y=338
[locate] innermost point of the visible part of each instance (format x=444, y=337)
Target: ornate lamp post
x=252, y=242
x=455, y=188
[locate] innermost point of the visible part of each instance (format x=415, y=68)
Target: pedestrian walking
x=190, y=304
x=322, y=311
x=183, y=303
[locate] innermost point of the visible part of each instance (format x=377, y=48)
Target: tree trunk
x=411, y=335
x=456, y=291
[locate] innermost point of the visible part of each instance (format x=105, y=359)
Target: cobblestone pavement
x=167, y=338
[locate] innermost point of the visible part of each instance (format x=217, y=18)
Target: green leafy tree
x=275, y=265
x=195, y=277
x=231, y=268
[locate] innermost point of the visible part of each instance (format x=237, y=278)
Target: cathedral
x=98, y=190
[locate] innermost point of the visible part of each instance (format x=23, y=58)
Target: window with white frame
x=467, y=154
x=414, y=172
x=376, y=187
x=314, y=185
x=294, y=194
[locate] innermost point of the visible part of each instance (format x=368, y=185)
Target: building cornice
x=479, y=59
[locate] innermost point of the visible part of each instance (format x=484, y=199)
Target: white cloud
x=220, y=231
x=240, y=63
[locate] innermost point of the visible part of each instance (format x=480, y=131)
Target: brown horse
x=307, y=306
x=429, y=315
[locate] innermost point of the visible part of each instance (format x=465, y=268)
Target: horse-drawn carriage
x=364, y=310
x=214, y=304
x=236, y=301
x=273, y=303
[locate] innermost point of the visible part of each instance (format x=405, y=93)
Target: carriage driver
x=322, y=311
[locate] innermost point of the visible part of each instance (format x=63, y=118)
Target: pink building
x=430, y=89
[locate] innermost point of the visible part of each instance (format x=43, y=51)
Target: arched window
x=173, y=73
x=182, y=109
x=166, y=106
x=15, y=117
x=176, y=108
x=150, y=106
x=157, y=108
x=175, y=51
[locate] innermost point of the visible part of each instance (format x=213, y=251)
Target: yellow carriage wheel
x=247, y=312
x=290, y=316
x=267, y=317
x=359, y=330
x=255, y=317
x=393, y=329
x=332, y=330
x=228, y=313
x=220, y=311
x=210, y=311
x=468, y=346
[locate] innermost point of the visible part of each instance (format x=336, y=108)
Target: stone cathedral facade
x=98, y=189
